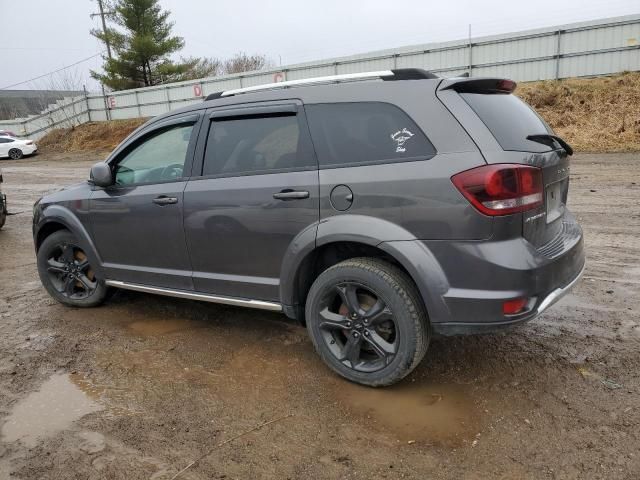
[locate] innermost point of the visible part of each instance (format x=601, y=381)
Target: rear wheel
x=66, y=273
x=3, y=214
x=367, y=322
x=15, y=154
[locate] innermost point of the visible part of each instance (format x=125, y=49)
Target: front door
x=257, y=191
x=137, y=222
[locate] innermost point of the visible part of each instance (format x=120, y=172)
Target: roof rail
x=387, y=75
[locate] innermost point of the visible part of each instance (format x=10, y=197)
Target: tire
x=66, y=274
x=372, y=302
x=15, y=154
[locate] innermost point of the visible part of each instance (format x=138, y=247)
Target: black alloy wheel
x=70, y=273
x=367, y=321
x=358, y=327
x=66, y=272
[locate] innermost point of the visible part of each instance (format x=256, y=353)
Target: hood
x=77, y=191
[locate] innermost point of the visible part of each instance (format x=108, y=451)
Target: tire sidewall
x=405, y=324
x=48, y=245
x=19, y=156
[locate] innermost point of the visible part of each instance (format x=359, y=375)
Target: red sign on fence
x=112, y=102
x=197, y=90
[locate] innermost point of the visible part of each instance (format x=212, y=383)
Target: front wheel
x=367, y=321
x=66, y=273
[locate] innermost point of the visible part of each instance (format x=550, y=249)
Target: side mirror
x=101, y=175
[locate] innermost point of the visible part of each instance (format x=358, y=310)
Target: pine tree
x=142, y=46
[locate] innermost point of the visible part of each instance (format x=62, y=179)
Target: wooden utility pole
x=102, y=14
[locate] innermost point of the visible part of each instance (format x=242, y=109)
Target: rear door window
x=258, y=144
x=346, y=134
x=510, y=120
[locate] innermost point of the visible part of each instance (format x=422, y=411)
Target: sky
x=42, y=36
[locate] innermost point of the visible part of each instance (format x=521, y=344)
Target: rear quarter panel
x=418, y=195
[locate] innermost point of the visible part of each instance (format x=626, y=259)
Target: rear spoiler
x=478, y=85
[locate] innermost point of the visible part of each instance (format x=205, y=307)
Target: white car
x=16, y=148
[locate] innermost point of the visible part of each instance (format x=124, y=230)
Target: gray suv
x=378, y=209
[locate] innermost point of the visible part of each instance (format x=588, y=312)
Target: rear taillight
x=501, y=189
x=29, y=142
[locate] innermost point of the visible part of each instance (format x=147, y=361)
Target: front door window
x=158, y=158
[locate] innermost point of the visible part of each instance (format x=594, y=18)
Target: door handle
x=163, y=200
x=291, y=195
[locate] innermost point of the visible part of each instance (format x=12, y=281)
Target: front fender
x=63, y=216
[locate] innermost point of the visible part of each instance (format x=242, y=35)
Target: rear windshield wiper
x=547, y=139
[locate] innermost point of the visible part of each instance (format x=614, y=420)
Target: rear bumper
x=481, y=276
x=455, y=328
x=30, y=149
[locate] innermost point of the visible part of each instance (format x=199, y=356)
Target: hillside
x=593, y=114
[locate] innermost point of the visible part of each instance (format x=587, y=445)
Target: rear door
x=254, y=189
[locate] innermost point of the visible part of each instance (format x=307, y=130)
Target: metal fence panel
x=298, y=74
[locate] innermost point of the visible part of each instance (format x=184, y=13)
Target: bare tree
x=241, y=62
x=67, y=112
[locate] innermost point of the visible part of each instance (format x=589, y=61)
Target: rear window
x=347, y=134
x=509, y=120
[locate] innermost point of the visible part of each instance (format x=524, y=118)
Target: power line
x=55, y=71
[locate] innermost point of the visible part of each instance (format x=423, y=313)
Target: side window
x=5, y=140
x=158, y=158
x=259, y=144
x=365, y=132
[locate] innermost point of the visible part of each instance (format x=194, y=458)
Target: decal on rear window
x=401, y=137
x=365, y=132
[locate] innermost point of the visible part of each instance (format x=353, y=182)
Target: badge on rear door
x=534, y=217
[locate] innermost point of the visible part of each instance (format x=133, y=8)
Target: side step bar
x=205, y=297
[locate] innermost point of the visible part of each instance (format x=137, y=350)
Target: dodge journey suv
x=377, y=209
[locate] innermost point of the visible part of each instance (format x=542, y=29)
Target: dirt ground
x=144, y=385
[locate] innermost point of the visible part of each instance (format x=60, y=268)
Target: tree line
x=139, y=36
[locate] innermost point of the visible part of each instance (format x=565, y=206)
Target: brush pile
x=592, y=114
x=89, y=136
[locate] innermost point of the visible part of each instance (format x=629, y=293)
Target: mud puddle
x=435, y=414
x=60, y=401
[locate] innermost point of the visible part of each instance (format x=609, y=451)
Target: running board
x=204, y=297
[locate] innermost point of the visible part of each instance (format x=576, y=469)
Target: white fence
x=582, y=49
